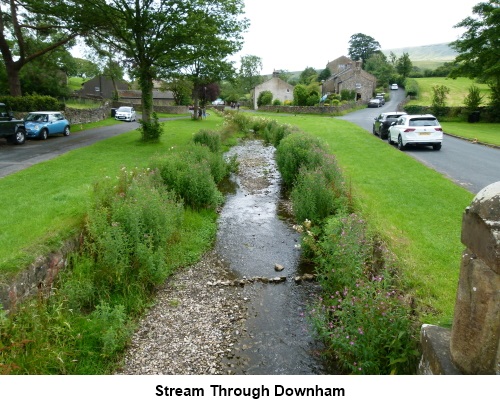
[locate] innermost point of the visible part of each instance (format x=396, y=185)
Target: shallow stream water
x=254, y=234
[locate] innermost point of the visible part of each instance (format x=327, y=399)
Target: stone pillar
x=475, y=335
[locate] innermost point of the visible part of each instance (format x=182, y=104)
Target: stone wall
x=292, y=109
x=37, y=278
x=84, y=116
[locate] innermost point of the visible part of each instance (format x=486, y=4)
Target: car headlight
x=36, y=127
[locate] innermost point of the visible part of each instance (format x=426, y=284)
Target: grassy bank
x=415, y=209
x=479, y=131
x=45, y=203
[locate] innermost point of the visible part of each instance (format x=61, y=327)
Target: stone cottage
x=281, y=90
x=348, y=75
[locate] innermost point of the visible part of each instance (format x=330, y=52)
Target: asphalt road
x=470, y=165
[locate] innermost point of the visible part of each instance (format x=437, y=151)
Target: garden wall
x=293, y=109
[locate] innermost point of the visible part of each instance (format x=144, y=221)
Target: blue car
x=41, y=124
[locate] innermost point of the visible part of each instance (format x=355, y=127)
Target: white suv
x=416, y=130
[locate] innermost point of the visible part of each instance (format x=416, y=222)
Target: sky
x=292, y=35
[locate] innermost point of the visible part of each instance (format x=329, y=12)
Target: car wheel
x=400, y=143
x=382, y=136
x=436, y=146
x=66, y=131
x=44, y=134
x=19, y=137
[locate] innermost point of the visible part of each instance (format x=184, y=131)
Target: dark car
x=383, y=121
x=41, y=124
x=374, y=102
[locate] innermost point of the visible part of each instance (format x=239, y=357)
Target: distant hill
x=426, y=56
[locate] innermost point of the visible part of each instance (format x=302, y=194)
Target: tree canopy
x=362, y=46
x=479, y=48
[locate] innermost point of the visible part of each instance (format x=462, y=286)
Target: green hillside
x=426, y=56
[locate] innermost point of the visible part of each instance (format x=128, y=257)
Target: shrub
x=411, y=88
x=360, y=316
x=296, y=151
x=265, y=98
x=208, y=138
x=32, y=103
x=151, y=131
x=474, y=99
x=277, y=102
x=439, y=95
x=190, y=177
x=347, y=95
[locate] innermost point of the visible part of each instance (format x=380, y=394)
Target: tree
x=86, y=69
x=157, y=37
x=361, y=47
x=33, y=28
x=378, y=66
x=324, y=74
x=308, y=76
x=250, y=68
x=182, y=90
x=478, y=49
x=439, y=95
x=404, y=65
x=474, y=99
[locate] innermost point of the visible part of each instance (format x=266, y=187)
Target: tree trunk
x=146, y=84
x=13, y=79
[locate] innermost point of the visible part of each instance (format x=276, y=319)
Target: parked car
x=374, y=102
x=125, y=114
x=10, y=128
x=383, y=121
x=416, y=130
x=394, y=86
x=381, y=97
x=41, y=124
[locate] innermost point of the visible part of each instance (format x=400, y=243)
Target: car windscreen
x=423, y=122
x=36, y=117
x=124, y=109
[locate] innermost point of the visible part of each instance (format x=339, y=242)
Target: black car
x=383, y=121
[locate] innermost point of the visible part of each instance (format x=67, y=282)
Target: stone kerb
x=475, y=335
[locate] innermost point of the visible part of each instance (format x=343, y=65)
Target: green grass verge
x=44, y=204
x=480, y=131
x=415, y=209
x=459, y=88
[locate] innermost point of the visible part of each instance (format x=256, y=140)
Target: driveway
x=470, y=165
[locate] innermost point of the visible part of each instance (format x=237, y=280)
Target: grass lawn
x=46, y=203
x=459, y=88
x=480, y=131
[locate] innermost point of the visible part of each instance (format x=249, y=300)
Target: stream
x=255, y=233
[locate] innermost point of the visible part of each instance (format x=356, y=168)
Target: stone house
x=281, y=90
x=348, y=75
x=133, y=97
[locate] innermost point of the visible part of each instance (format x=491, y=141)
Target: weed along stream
x=258, y=244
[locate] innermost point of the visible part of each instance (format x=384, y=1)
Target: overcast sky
x=293, y=35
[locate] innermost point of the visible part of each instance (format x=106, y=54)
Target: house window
x=288, y=90
x=97, y=89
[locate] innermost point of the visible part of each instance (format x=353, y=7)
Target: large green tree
x=30, y=29
x=249, y=75
x=404, y=65
x=160, y=36
x=479, y=48
x=362, y=46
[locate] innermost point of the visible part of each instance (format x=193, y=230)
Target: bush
x=190, y=177
x=265, y=98
x=32, y=103
x=411, y=88
x=296, y=151
x=277, y=102
x=208, y=138
x=151, y=131
x=361, y=317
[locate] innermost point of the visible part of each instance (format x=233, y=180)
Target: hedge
x=32, y=103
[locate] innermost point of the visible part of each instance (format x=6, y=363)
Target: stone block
x=436, y=358
x=475, y=337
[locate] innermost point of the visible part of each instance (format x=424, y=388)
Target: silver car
x=125, y=114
